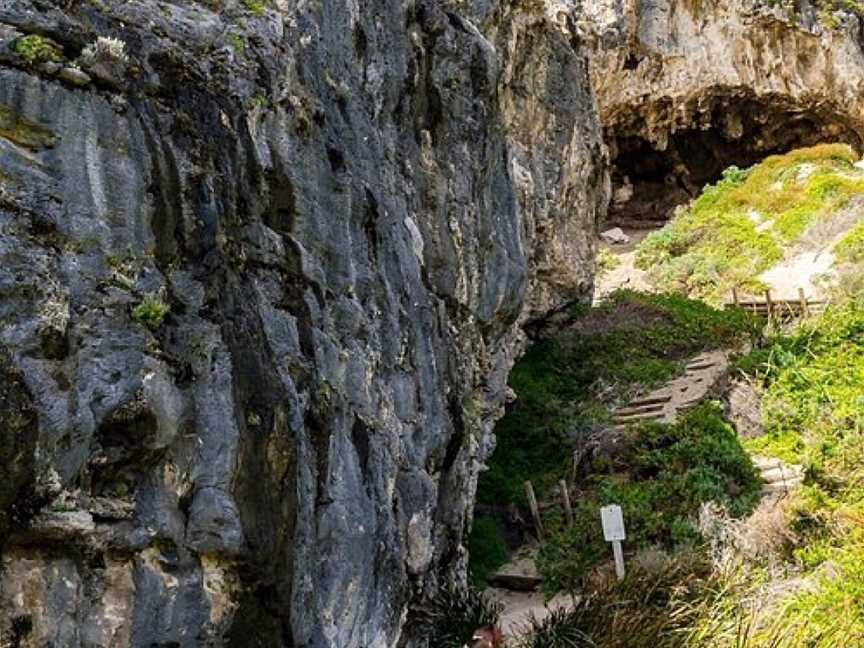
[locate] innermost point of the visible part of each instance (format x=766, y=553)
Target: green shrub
x=36, y=49
x=486, y=549
x=660, y=480
x=151, y=311
x=605, y=261
x=813, y=410
x=851, y=247
x=559, y=379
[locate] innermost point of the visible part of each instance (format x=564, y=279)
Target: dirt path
x=521, y=607
x=625, y=274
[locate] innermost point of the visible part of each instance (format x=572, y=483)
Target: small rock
x=615, y=236
x=51, y=67
x=74, y=76
x=782, y=474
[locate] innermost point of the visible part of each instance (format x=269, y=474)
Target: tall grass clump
x=453, y=615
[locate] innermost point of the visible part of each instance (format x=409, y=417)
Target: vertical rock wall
x=260, y=289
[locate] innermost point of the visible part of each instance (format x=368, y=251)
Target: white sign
x=613, y=523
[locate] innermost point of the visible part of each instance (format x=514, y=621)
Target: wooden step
x=650, y=399
x=781, y=487
x=640, y=409
x=634, y=418
x=782, y=473
x=699, y=366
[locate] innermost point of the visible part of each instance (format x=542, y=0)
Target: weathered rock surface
x=347, y=210
x=688, y=88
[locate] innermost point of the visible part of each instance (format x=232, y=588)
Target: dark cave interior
x=648, y=183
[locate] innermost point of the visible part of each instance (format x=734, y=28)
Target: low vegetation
x=36, y=49
x=710, y=563
x=605, y=261
x=660, y=475
x=850, y=249
x=452, y=617
x=740, y=227
x=566, y=383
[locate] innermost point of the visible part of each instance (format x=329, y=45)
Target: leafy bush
x=660, y=480
x=851, y=247
x=605, y=261
x=558, y=380
x=813, y=410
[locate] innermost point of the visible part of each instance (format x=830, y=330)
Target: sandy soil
x=626, y=275
x=519, y=607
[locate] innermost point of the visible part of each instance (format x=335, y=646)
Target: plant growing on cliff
x=151, y=311
x=256, y=7
x=105, y=49
x=37, y=49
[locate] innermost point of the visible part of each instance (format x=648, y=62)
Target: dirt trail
x=625, y=274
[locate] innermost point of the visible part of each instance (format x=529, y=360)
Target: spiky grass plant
x=455, y=613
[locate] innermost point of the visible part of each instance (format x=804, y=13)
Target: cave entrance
x=656, y=168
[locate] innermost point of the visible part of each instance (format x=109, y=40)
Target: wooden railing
x=779, y=309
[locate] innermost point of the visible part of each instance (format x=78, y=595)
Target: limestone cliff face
x=687, y=88
x=261, y=283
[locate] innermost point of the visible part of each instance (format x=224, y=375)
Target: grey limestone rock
x=260, y=294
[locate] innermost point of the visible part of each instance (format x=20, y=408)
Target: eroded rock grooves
x=686, y=89
x=348, y=210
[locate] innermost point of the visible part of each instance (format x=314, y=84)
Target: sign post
x=613, y=531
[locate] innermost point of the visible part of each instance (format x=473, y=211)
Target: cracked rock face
x=263, y=270
x=687, y=88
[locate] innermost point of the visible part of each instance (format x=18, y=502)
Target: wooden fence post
x=805, y=308
x=535, y=510
x=735, y=296
x=565, y=498
x=770, y=305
